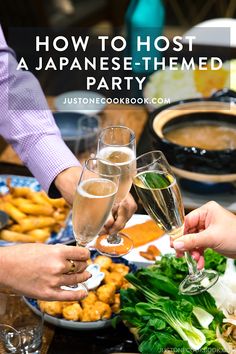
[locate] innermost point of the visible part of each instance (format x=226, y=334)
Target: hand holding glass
x=93, y=200
x=116, y=144
x=157, y=188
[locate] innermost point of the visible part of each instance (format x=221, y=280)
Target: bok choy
x=165, y=319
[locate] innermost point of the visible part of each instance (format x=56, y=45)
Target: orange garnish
x=147, y=255
x=143, y=233
x=154, y=250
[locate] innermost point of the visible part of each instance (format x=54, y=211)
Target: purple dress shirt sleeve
x=27, y=123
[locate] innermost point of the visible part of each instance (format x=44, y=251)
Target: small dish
x=97, y=276
x=86, y=102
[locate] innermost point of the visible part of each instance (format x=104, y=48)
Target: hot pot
x=191, y=162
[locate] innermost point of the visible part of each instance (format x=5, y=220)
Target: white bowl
x=215, y=32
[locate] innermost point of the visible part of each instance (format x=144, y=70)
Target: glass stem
x=80, y=244
x=114, y=239
x=192, y=265
x=83, y=284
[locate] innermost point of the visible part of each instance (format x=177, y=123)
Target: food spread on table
x=33, y=215
x=162, y=316
x=101, y=303
x=163, y=320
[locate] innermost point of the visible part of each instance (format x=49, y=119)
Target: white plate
x=162, y=243
x=70, y=101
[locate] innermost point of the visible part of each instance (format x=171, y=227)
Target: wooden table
x=133, y=117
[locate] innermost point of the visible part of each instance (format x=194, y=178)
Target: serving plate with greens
x=163, y=319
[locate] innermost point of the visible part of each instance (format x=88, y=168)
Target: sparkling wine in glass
x=93, y=201
x=117, y=144
x=159, y=193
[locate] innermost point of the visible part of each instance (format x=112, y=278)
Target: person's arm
x=28, y=125
x=39, y=270
x=210, y=226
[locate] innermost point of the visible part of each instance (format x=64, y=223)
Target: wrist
x=66, y=182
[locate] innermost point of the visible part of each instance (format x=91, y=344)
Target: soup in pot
x=204, y=136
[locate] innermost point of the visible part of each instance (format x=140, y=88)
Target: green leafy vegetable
x=145, y=290
x=214, y=261
x=154, y=283
x=203, y=300
x=166, y=319
x=178, y=315
x=157, y=341
x=173, y=268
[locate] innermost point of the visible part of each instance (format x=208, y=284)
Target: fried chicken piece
x=106, y=272
x=105, y=293
x=72, y=312
x=67, y=303
x=96, y=312
x=119, y=268
x=90, y=314
x=103, y=309
x=89, y=300
x=52, y=308
x=103, y=261
x=116, y=305
x=115, y=278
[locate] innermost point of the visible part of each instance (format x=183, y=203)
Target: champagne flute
x=157, y=188
x=116, y=144
x=89, y=128
x=93, y=201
